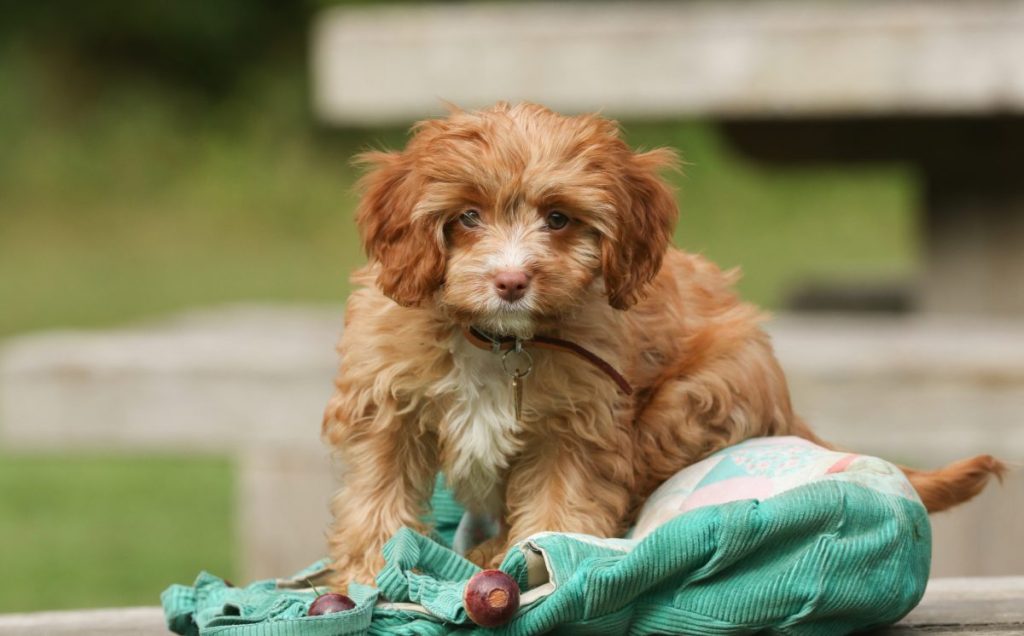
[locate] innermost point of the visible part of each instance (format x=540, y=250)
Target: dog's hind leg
x=694, y=412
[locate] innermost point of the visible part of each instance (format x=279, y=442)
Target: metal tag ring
x=520, y=356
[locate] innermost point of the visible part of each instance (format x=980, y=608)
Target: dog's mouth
x=509, y=320
x=518, y=321
x=532, y=313
x=519, y=305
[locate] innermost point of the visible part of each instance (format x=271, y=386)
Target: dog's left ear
x=409, y=250
x=632, y=257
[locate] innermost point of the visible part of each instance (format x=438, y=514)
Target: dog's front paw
x=488, y=554
x=354, y=569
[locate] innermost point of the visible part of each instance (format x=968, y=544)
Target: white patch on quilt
x=480, y=426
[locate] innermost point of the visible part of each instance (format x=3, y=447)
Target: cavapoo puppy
x=525, y=327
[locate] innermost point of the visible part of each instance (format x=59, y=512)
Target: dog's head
x=515, y=214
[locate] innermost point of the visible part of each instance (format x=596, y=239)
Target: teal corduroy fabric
x=828, y=557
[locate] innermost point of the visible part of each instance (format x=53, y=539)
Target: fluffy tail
x=956, y=483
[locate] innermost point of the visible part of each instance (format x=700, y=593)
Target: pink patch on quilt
x=729, y=490
x=841, y=465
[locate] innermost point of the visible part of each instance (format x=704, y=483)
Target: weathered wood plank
x=137, y=621
x=980, y=606
x=992, y=605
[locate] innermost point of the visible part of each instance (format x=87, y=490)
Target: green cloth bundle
x=832, y=543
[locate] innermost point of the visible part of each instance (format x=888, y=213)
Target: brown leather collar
x=484, y=340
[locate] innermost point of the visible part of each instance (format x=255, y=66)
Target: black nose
x=511, y=285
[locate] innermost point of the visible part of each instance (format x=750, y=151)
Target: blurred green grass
x=136, y=200
x=91, y=531
x=142, y=203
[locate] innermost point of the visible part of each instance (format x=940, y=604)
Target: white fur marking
x=513, y=254
x=480, y=426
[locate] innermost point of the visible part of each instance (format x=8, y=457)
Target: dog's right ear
x=409, y=250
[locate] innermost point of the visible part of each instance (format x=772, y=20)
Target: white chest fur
x=479, y=430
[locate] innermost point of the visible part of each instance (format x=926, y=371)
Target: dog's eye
x=556, y=220
x=470, y=218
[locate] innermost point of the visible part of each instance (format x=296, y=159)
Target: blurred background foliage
x=162, y=155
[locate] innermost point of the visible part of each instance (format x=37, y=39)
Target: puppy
x=525, y=328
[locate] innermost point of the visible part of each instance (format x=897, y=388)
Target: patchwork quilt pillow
x=760, y=469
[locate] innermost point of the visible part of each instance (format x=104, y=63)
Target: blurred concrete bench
x=950, y=606
x=252, y=381
x=938, y=84
x=249, y=382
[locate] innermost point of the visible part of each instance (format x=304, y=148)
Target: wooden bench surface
x=950, y=606
x=385, y=64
